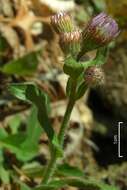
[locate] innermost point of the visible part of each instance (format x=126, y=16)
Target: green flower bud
x=62, y=22
x=70, y=42
x=94, y=76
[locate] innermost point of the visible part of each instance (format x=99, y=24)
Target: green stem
x=50, y=167
x=67, y=113
x=65, y=121
x=53, y=162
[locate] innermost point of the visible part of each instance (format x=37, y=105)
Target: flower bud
x=70, y=42
x=62, y=22
x=94, y=76
x=100, y=31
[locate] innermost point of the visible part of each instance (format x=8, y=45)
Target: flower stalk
x=67, y=114
x=101, y=30
x=54, y=158
x=50, y=167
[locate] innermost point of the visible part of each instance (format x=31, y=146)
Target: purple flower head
x=62, y=22
x=99, y=31
x=102, y=29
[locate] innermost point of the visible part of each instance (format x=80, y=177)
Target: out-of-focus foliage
x=25, y=65
x=118, y=8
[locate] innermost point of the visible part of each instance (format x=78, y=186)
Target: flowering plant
x=99, y=31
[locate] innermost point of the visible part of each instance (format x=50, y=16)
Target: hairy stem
x=67, y=114
x=53, y=162
x=50, y=167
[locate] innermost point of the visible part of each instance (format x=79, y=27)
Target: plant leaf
x=13, y=143
x=30, y=145
x=69, y=86
x=101, y=56
x=41, y=101
x=67, y=170
x=24, y=145
x=4, y=175
x=55, y=185
x=3, y=133
x=24, y=187
x=31, y=93
x=14, y=123
x=25, y=65
x=17, y=144
x=86, y=184
x=81, y=90
x=19, y=90
x=33, y=169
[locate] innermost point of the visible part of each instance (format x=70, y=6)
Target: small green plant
x=98, y=33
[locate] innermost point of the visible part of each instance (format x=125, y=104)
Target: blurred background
x=29, y=51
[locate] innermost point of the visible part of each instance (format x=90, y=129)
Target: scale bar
x=119, y=151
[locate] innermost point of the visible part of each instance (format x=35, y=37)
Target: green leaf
x=31, y=93
x=4, y=175
x=81, y=90
x=34, y=129
x=14, y=123
x=3, y=133
x=108, y=187
x=69, y=171
x=23, y=186
x=88, y=184
x=69, y=86
x=80, y=183
x=41, y=101
x=24, y=145
x=55, y=185
x=85, y=184
x=33, y=169
x=13, y=142
x=30, y=145
x=100, y=59
x=25, y=65
x=17, y=144
x=47, y=187
x=19, y=90
x=1, y=156
x=101, y=56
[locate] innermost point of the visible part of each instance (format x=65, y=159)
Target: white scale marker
x=119, y=127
